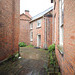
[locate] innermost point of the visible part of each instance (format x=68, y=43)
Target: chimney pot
x=27, y=13
x=26, y=10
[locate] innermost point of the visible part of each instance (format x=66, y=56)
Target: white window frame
x=31, y=26
x=31, y=36
x=39, y=23
x=61, y=17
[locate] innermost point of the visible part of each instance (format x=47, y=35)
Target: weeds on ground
x=40, y=49
x=15, y=57
x=52, y=63
x=11, y=58
x=22, y=44
x=51, y=48
x=30, y=46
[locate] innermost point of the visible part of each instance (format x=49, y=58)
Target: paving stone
x=31, y=63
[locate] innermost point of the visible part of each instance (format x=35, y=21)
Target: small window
x=39, y=23
x=31, y=26
x=31, y=36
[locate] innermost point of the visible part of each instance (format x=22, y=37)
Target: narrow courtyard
x=32, y=62
x=37, y=37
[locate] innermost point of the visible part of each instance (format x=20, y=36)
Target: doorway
x=38, y=40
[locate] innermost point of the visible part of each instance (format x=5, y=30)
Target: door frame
x=38, y=40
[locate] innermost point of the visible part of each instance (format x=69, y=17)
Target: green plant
x=15, y=57
x=22, y=44
x=51, y=50
x=51, y=47
x=52, y=59
x=46, y=68
x=30, y=45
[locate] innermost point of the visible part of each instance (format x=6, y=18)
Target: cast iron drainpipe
x=45, y=34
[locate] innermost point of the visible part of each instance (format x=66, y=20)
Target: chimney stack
x=27, y=13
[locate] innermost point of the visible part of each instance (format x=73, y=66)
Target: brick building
x=25, y=27
x=9, y=27
x=41, y=29
x=64, y=35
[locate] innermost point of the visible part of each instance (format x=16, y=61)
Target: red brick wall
x=49, y=31
x=67, y=62
x=9, y=27
x=24, y=29
x=37, y=31
x=69, y=37
x=41, y=31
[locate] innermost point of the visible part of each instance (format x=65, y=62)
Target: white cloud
x=34, y=6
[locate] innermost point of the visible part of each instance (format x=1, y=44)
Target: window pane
x=31, y=26
x=31, y=36
x=38, y=23
x=61, y=18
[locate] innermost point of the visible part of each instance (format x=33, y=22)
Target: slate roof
x=41, y=14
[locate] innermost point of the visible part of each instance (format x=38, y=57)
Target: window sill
x=38, y=27
x=60, y=48
x=31, y=40
x=31, y=29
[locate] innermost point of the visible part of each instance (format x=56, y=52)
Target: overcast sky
x=34, y=6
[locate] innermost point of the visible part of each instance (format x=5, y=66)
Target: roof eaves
x=41, y=14
x=25, y=15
